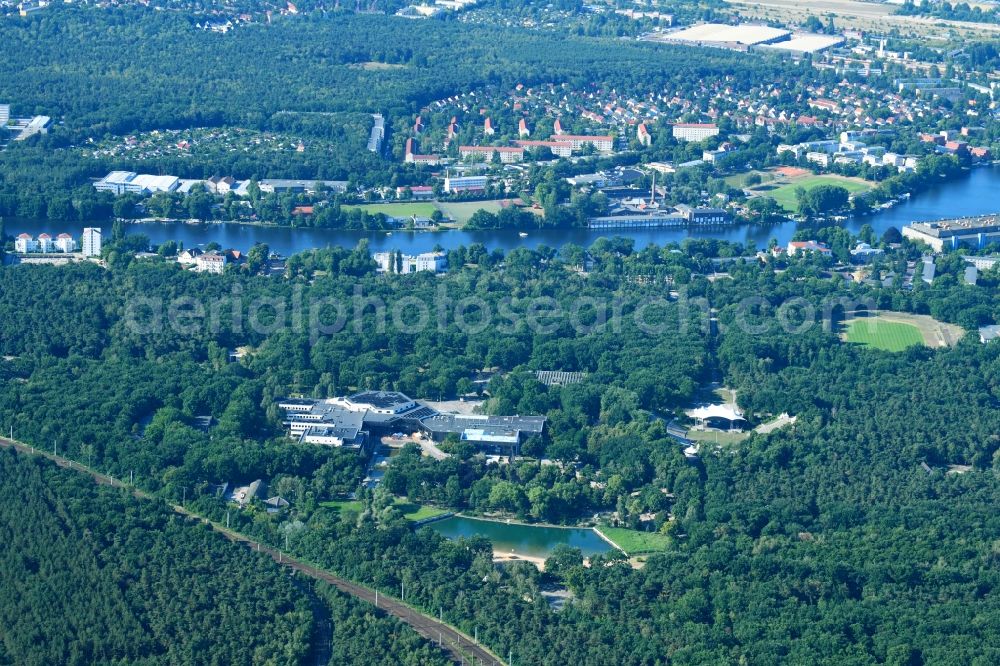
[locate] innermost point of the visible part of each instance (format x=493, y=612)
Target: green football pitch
x=886, y=335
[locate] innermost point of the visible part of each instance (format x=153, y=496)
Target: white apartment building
x=65, y=243
x=508, y=154
x=695, y=131
x=465, y=183
x=25, y=243
x=434, y=262
x=604, y=143
x=210, y=262
x=91, y=242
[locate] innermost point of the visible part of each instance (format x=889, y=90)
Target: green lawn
x=635, y=542
x=740, y=179
x=406, y=209
x=418, y=511
x=717, y=436
x=410, y=511
x=890, y=336
x=343, y=505
x=785, y=195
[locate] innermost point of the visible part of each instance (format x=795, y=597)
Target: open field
x=410, y=510
x=739, y=179
x=895, y=331
x=785, y=194
x=461, y=211
x=343, y=505
x=635, y=542
x=407, y=209
x=716, y=436
x=855, y=14
x=418, y=511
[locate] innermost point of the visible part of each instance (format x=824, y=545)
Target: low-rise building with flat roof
x=976, y=232
x=347, y=422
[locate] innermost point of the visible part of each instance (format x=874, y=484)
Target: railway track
x=461, y=648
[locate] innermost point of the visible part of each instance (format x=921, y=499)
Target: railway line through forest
x=461, y=648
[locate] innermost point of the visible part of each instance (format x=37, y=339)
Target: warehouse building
x=807, y=43
x=720, y=34
x=976, y=232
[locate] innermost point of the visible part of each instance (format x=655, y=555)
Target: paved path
x=461, y=648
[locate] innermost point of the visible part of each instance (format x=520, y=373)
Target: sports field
x=895, y=331
x=890, y=336
x=785, y=194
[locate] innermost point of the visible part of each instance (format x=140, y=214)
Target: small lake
x=976, y=194
x=525, y=540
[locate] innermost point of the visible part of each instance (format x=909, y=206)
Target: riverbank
x=978, y=194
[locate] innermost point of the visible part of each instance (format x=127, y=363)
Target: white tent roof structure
x=716, y=412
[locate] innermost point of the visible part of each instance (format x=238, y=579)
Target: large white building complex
x=120, y=182
x=349, y=421
x=391, y=262
x=45, y=244
x=976, y=232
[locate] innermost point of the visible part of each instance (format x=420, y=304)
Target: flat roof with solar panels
x=559, y=378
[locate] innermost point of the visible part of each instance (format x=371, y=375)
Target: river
x=977, y=194
x=521, y=539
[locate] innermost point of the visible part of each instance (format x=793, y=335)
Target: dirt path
x=461, y=648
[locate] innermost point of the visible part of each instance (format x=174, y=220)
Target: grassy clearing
x=462, y=211
x=717, y=436
x=418, y=511
x=740, y=179
x=892, y=336
x=635, y=542
x=343, y=505
x=785, y=194
x=408, y=209
x=410, y=510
